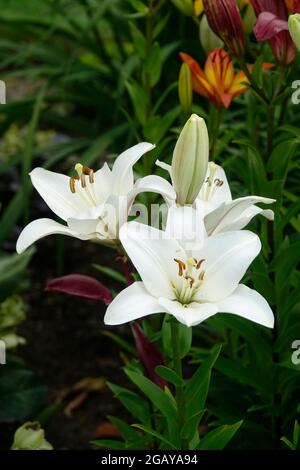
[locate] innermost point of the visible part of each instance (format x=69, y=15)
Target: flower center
x=192, y=277
x=212, y=183
x=82, y=184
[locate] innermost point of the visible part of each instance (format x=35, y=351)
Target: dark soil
x=65, y=342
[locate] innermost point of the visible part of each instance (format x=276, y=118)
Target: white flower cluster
x=192, y=269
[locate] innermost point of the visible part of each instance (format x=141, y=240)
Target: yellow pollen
x=81, y=171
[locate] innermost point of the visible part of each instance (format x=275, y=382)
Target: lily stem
x=215, y=120
x=177, y=364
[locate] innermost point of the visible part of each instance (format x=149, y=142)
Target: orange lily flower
x=217, y=81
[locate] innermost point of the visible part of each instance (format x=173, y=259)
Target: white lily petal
x=102, y=183
x=217, y=220
x=191, y=315
x=247, y=216
x=248, y=303
x=122, y=172
x=211, y=193
x=86, y=222
x=227, y=257
x=132, y=303
x=152, y=253
x=41, y=228
x=54, y=188
x=164, y=166
x=154, y=184
x=187, y=226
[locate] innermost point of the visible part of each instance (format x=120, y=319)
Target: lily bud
x=190, y=160
x=185, y=6
x=248, y=19
x=225, y=20
x=294, y=28
x=185, y=89
x=30, y=436
x=209, y=40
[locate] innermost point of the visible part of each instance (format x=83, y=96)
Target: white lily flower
x=94, y=205
x=214, y=202
x=190, y=284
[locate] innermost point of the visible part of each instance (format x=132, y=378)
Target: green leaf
x=190, y=427
x=101, y=144
x=139, y=100
x=169, y=375
x=237, y=371
x=11, y=215
x=139, y=39
x=156, y=434
x=28, y=152
x=121, y=342
x=160, y=400
x=288, y=443
x=109, y=444
x=296, y=433
x=160, y=25
x=139, y=6
x=110, y=272
x=280, y=157
x=153, y=65
x=219, y=438
x=157, y=127
x=185, y=338
x=135, y=404
x=127, y=432
x=11, y=270
x=20, y=393
x=285, y=263
x=198, y=386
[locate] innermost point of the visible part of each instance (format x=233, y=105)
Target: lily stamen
x=218, y=182
x=191, y=280
x=181, y=267
x=82, y=171
x=73, y=180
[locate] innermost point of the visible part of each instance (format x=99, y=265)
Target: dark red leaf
x=82, y=286
x=149, y=354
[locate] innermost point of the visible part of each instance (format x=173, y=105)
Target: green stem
x=180, y=398
x=149, y=40
x=270, y=129
x=252, y=81
x=215, y=120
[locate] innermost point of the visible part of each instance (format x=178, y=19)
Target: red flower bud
x=149, y=354
x=225, y=20
x=272, y=26
x=81, y=286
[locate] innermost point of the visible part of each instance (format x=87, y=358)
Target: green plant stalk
x=149, y=41
x=252, y=82
x=180, y=398
x=215, y=121
x=270, y=129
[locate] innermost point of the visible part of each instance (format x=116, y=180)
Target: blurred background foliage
x=88, y=78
